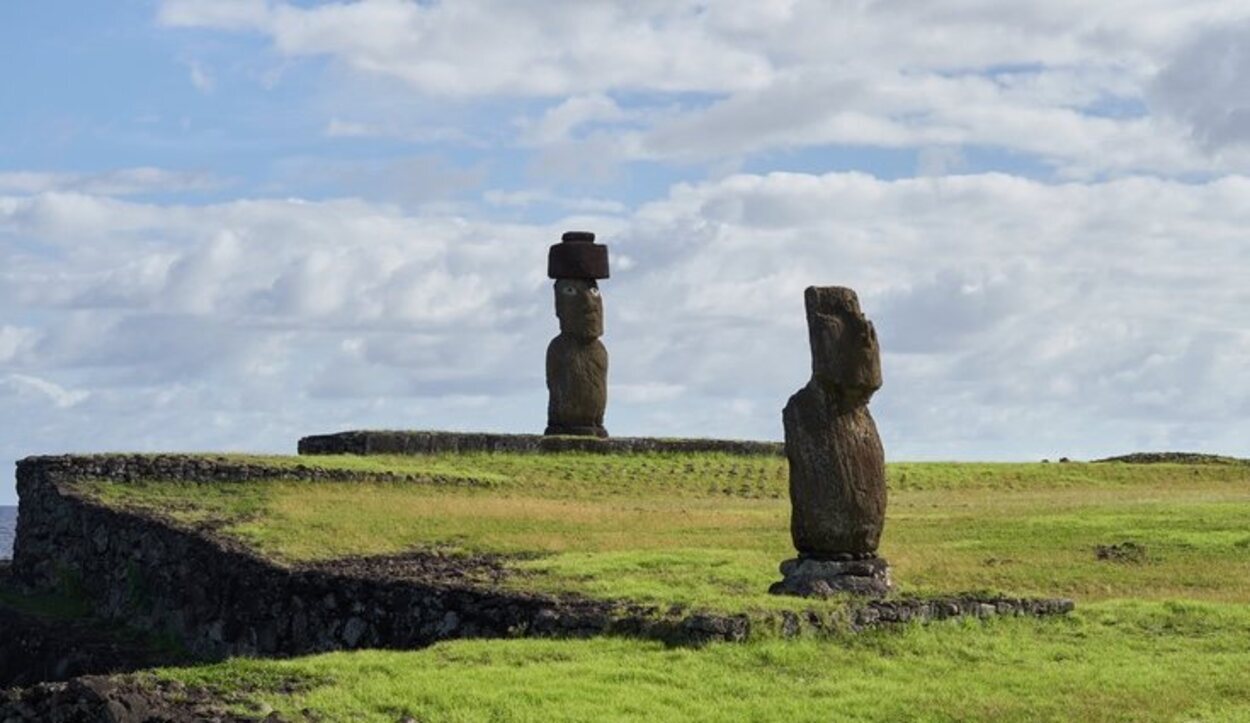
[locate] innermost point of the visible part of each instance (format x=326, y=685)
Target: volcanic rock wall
x=220, y=598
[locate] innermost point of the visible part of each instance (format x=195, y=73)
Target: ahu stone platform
x=218, y=597
x=433, y=442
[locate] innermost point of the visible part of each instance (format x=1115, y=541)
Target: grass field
x=1162, y=637
x=1108, y=662
x=709, y=530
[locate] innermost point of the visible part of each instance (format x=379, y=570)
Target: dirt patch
x=138, y=699
x=426, y=566
x=1123, y=552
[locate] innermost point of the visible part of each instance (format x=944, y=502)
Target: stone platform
x=217, y=597
x=809, y=577
x=434, y=442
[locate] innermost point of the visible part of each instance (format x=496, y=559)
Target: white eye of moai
x=568, y=290
x=594, y=291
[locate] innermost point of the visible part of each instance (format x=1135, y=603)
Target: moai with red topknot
x=577, y=362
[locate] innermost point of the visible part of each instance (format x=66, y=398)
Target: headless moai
x=577, y=362
x=837, y=464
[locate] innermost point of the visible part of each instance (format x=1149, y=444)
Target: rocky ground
x=1174, y=458
x=120, y=699
x=432, y=566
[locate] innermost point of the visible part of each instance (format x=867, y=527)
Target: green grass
x=707, y=530
x=1108, y=662
x=1163, y=639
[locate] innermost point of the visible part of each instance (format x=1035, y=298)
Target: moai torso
x=837, y=464
x=577, y=362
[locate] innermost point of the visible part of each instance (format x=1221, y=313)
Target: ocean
x=8, y=525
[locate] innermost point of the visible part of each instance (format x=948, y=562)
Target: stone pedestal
x=809, y=577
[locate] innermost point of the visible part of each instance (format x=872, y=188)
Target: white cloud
x=1019, y=319
x=201, y=77
x=226, y=14
x=340, y=128
x=522, y=199
x=558, y=122
x=646, y=393
x=337, y=128
x=413, y=180
x=566, y=48
x=475, y=48
x=119, y=182
x=1093, y=310
x=15, y=340
x=21, y=385
x=1068, y=83
x=939, y=161
x=907, y=109
x=1004, y=305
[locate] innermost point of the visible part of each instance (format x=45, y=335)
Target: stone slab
x=366, y=442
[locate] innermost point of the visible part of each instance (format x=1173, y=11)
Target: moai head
x=846, y=360
x=579, y=308
x=576, y=263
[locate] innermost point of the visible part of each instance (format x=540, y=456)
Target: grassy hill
x=1162, y=631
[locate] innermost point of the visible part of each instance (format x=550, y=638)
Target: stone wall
x=38, y=646
x=219, y=598
x=400, y=442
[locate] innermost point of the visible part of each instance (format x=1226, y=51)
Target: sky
x=226, y=224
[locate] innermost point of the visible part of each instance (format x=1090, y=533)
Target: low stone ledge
x=869, y=614
x=905, y=610
x=434, y=442
x=129, y=699
x=193, y=468
x=1173, y=458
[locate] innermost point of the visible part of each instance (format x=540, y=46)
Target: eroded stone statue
x=577, y=362
x=837, y=464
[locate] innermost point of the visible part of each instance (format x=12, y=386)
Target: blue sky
x=228, y=223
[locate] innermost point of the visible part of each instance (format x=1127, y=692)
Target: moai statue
x=577, y=362
x=837, y=464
